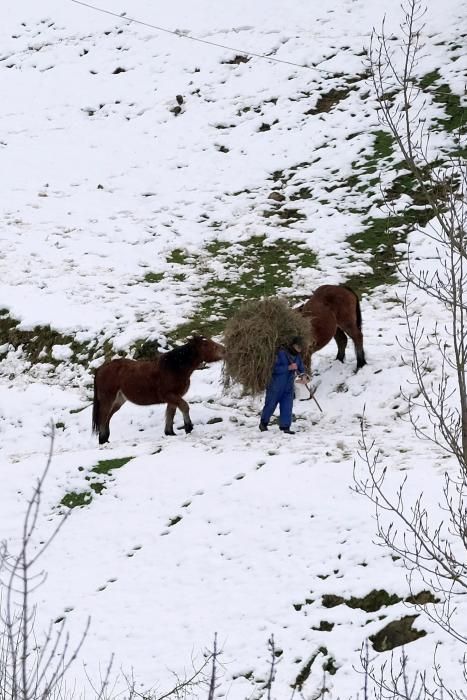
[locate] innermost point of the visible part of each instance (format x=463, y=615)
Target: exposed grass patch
x=106, y=466
x=253, y=269
x=145, y=350
x=77, y=499
x=37, y=343
x=153, y=277
x=422, y=598
x=376, y=599
x=396, y=634
x=302, y=193
x=383, y=148
x=455, y=120
x=377, y=243
x=328, y=100
x=329, y=600
x=380, y=240
x=239, y=58
x=179, y=256
x=328, y=666
x=324, y=626
x=373, y=601
x=286, y=215
x=299, y=606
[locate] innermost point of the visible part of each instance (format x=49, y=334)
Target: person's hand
x=293, y=366
x=303, y=379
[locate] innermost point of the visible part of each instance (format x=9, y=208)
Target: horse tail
x=95, y=408
x=358, y=310
x=359, y=313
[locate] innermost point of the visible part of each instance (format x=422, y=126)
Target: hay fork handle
x=312, y=393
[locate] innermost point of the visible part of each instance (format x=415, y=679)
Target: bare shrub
x=431, y=547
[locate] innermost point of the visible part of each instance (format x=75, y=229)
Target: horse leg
x=357, y=336
x=169, y=419
x=174, y=402
x=341, y=340
x=108, y=406
x=185, y=409
x=359, y=352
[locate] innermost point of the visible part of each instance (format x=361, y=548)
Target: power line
x=182, y=35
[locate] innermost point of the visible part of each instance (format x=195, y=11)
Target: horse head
x=208, y=349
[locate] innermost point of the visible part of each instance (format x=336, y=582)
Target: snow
x=101, y=182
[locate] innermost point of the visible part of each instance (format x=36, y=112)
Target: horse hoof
x=188, y=428
x=103, y=439
x=169, y=432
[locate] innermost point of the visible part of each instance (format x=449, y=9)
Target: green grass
x=376, y=599
x=383, y=147
x=395, y=634
x=179, y=256
x=328, y=666
x=455, y=119
x=254, y=268
x=154, y=277
x=327, y=101
x=286, y=215
x=78, y=499
x=37, y=343
x=376, y=244
x=107, y=466
x=456, y=114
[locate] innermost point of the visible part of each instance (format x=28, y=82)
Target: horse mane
x=182, y=356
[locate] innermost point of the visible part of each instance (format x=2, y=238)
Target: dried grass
x=252, y=337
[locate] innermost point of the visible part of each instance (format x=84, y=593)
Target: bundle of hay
x=252, y=337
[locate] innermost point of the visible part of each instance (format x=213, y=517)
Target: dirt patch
x=396, y=634
x=327, y=101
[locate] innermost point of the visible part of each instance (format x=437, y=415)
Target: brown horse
x=144, y=382
x=334, y=312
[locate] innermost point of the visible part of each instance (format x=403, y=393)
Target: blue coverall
x=280, y=389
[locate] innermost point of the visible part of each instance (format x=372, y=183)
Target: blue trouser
x=280, y=391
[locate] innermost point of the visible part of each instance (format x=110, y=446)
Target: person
x=280, y=389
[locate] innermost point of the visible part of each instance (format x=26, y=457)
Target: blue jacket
x=281, y=366
x=280, y=389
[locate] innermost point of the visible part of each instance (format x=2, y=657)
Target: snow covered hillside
x=149, y=184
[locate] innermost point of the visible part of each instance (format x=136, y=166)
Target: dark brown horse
x=144, y=382
x=334, y=312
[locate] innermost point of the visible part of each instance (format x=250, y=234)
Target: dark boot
x=263, y=427
x=288, y=431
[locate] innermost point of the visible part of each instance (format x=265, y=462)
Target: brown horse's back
x=138, y=381
x=334, y=311
x=343, y=301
